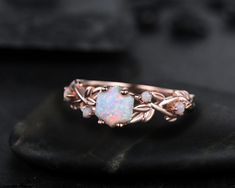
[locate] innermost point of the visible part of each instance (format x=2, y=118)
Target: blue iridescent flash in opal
x=112, y=107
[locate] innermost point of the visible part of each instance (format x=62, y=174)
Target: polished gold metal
x=82, y=94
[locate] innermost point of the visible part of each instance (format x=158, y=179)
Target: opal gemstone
x=113, y=107
x=179, y=108
x=146, y=96
x=86, y=112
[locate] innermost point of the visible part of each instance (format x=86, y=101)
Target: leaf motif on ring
x=149, y=114
x=142, y=108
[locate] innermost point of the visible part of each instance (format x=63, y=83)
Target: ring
x=119, y=104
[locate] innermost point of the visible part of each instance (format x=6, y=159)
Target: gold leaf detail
x=142, y=108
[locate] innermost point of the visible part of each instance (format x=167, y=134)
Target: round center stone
x=112, y=107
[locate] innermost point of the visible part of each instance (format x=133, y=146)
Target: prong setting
x=117, y=104
x=100, y=121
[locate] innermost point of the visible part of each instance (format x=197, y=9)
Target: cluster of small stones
x=113, y=107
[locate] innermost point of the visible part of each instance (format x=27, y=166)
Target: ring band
x=119, y=104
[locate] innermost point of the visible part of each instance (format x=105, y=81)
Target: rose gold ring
x=119, y=104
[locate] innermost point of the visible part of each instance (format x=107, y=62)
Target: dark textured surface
x=60, y=139
x=188, y=25
x=29, y=85
x=74, y=25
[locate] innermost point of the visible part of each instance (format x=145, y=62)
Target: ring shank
x=133, y=87
x=95, y=97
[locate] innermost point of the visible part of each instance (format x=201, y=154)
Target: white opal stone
x=179, y=108
x=113, y=108
x=86, y=112
x=146, y=96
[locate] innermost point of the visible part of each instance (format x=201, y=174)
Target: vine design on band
x=84, y=98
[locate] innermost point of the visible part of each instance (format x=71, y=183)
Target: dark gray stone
x=188, y=25
x=55, y=137
x=69, y=25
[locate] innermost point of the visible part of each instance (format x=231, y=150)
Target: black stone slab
x=55, y=137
